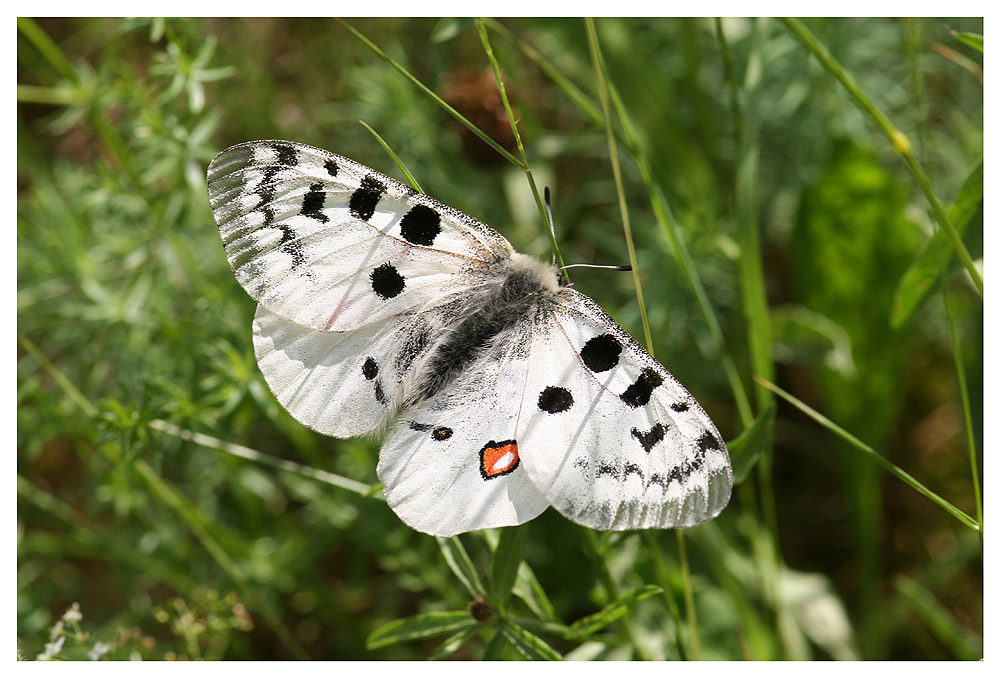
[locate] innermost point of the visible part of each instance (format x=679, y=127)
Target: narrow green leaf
x=420, y=626
x=748, y=446
x=506, y=562
x=453, y=644
x=973, y=40
x=527, y=643
x=399, y=163
x=429, y=92
x=531, y=592
x=925, y=271
x=612, y=612
x=459, y=562
x=883, y=462
x=494, y=649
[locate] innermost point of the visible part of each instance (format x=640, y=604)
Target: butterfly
x=503, y=392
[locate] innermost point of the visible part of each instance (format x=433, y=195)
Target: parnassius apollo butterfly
x=509, y=392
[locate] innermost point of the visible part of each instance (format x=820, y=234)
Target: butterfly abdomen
x=485, y=318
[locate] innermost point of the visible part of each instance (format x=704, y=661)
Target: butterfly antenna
x=625, y=267
x=552, y=225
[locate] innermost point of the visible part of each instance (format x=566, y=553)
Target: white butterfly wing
x=333, y=245
x=341, y=384
x=452, y=464
x=610, y=438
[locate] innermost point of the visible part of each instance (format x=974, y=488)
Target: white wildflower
x=73, y=614
x=100, y=649
x=52, y=649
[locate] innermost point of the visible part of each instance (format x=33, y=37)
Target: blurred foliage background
x=800, y=221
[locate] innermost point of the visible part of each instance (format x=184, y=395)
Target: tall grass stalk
x=957, y=513
x=896, y=138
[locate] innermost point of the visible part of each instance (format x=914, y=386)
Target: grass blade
x=429, y=92
x=963, y=389
x=610, y=613
x=458, y=560
x=600, y=71
x=506, y=563
x=527, y=643
x=485, y=39
x=420, y=626
x=748, y=446
x=885, y=463
x=392, y=154
x=896, y=138
x=925, y=271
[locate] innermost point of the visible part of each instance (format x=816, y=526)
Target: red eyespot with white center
x=497, y=459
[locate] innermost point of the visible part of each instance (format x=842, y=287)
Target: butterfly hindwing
x=615, y=442
x=334, y=245
x=338, y=383
x=453, y=464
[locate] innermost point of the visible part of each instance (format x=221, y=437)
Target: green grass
x=802, y=204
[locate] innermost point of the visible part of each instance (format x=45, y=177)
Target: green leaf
x=459, y=562
x=453, y=644
x=506, y=560
x=925, y=271
x=806, y=337
x=531, y=592
x=973, y=40
x=591, y=624
x=494, y=649
x=748, y=446
x=420, y=626
x=527, y=643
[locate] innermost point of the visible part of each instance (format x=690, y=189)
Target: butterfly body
x=508, y=392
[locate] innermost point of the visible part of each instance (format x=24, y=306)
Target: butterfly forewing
x=333, y=245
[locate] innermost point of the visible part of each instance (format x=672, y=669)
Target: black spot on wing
x=312, y=203
x=370, y=371
x=286, y=155
x=639, y=393
x=679, y=407
x=555, y=399
x=290, y=245
x=688, y=467
x=265, y=191
x=420, y=225
x=601, y=353
x=440, y=433
x=331, y=168
x=649, y=438
x=707, y=441
x=387, y=282
x=365, y=199
x=619, y=472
